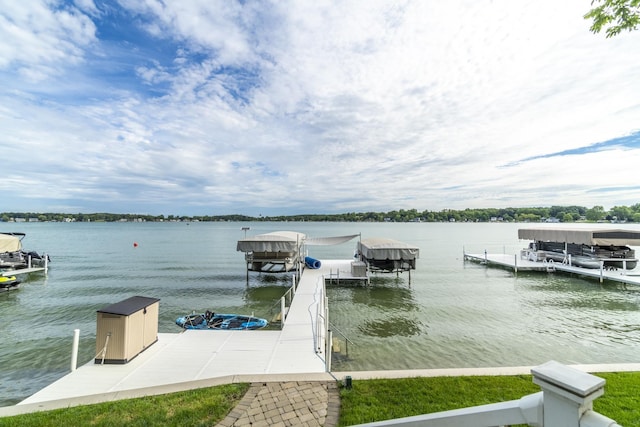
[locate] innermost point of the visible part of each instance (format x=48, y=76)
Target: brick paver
x=295, y=403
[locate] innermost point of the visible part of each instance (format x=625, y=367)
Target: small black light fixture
x=348, y=382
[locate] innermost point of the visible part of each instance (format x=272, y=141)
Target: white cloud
x=39, y=42
x=315, y=106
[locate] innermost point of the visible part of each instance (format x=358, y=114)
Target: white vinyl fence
x=566, y=400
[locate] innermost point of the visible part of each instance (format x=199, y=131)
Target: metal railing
x=286, y=299
x=346, y=339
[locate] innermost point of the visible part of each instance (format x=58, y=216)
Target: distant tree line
x=540, y=214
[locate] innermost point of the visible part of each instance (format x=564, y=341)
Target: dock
x=198, y=358
x=518, y=263
x=22, y=271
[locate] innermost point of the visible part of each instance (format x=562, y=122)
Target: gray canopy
x=585, y=236
x=383, y=249
x=278, y=241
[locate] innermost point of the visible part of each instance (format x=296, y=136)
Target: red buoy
x=135, y=244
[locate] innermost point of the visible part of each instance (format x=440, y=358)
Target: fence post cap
x=572, y=383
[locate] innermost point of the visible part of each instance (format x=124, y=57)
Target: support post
x=283, y=312
x=601, y=271
x=515, y=262
x=567, y=393
x=74, y=349
x=329, y=346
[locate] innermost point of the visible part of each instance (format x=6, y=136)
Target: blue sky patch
x=631, y=141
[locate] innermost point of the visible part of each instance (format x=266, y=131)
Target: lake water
x=451, y=314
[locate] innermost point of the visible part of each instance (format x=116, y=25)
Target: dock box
x=125, y=329
x=358, y=269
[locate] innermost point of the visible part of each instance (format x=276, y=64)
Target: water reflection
x=264, y=294
x=394, y=326
x=384, y=297
x=576, y=294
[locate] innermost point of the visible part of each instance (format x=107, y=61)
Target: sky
x=215, y=107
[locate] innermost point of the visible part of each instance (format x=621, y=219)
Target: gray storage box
x=358, y=269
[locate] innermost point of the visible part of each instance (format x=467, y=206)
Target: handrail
x=289, y=294
x=334, y=328
x=322, y=318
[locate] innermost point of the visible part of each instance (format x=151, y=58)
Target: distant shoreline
x=553, y=214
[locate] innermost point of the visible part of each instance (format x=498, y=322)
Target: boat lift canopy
x=388, y=254
x=584, y=236
x=278, y=241
x=11, y=242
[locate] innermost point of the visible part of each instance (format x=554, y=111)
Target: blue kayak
x=217, y=321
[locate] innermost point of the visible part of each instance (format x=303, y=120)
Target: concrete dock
x=198, y=358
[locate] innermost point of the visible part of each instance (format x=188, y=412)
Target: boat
x=218, y=321
x=8, y=283
x=13, y=257
x=582, y=247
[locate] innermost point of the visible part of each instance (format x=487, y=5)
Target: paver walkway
x=281, y=404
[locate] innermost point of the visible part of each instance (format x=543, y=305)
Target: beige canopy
x=585, y=236
x=9, y=243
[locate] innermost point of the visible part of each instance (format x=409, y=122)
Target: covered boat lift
x=283, y=251
x=595, y=245
x=15, y=260
x=276, y=252
x=387, y=255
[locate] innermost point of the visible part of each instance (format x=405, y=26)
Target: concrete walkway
x=295, y=403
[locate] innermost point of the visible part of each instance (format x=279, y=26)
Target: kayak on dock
x=211, y=320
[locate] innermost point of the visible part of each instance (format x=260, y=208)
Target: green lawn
x=366, y=401
x=376, y=400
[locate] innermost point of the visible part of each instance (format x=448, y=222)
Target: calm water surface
x=451, y=314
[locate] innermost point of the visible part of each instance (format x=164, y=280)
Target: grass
x=377, y=400
x=621, y=400
x=201, y=407
x=366, y=401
